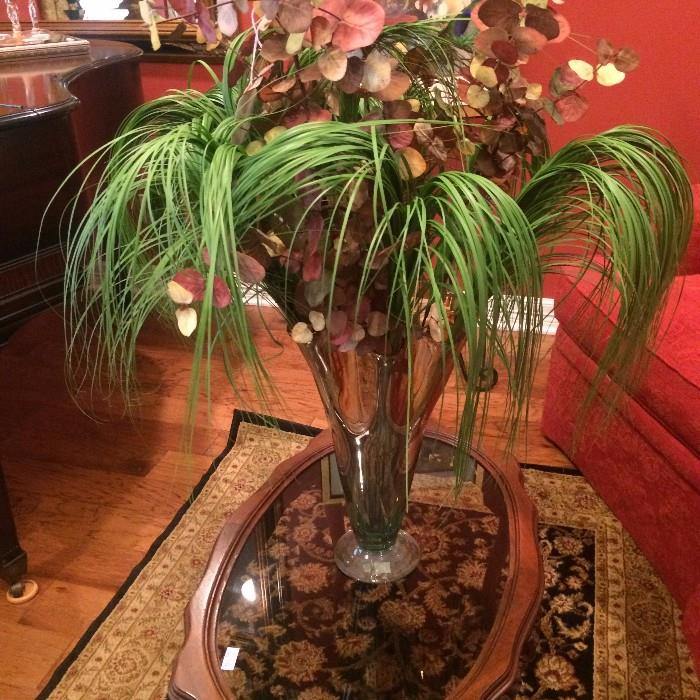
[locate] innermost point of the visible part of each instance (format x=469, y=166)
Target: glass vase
x=377, y=418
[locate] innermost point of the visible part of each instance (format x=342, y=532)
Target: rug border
x=238, y=418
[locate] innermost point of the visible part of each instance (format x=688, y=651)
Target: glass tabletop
x=290, y=625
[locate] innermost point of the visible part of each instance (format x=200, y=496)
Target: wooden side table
x=274, y=617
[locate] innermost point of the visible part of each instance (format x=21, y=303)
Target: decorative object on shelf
x=382, y=173
x=19, y=37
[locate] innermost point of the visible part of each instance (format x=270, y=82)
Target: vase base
x=383, y=566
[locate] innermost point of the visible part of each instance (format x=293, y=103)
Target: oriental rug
x=608, y=628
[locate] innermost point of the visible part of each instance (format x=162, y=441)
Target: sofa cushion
x=670, y=388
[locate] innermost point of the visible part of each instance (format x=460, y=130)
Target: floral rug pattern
x=608, y=629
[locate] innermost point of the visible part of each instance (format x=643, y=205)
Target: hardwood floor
x=90, y=497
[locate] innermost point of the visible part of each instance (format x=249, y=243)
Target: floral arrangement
x=380, y=169
x=307, y=57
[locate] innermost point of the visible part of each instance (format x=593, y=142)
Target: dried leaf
x=222, y=294
x=608, y=75
x=505, y=51
x=534, y=91
x=484, y=41
x=249, y=269
x=270, y=8
x=487, y=76
x=605, y=50
x=543, y=21
x=179, y=294
x=377, y=324
x=283, y=85
x=193, y=281
x=360, y=22
x=186, y=320
x=227, y=19
x=572, y=106
x=478, y=97
x=411, y=163
x=564, y=80
x=336, y=323
x=397, y=87
x=321, y=32
x=253, y=147
x=377, y=73
x=272, y=243
x=317, y=320
x=274, y=48
x=564, y=29
x=626, y=60
x=352, y=80
x=499, y=13
x=295, y=15
x=333, y=64
x=273, y=133
x=301, y=333
x=583, y=69
x=205, y=23
x=528, y=41
x=399, y=135
x=294, y=43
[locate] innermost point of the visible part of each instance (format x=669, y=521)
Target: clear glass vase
x=377, y=428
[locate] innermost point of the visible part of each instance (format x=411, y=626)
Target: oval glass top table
x=274, y=618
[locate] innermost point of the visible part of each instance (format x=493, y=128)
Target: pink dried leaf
x=222, y=294
x=193, y=281
x=571, y=106
x=359, y=23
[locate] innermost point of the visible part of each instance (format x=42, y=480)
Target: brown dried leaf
x=499, y=13
x=352, y=80
x=274, y=48
x=411, y=163
x=295, y=15
x=626, y=60
x=321, y=32
x=333, y=64
x=377, y=73
x=396, y=88
x=528, y=41
x=543, y=21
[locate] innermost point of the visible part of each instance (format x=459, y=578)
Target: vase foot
x=371, y=566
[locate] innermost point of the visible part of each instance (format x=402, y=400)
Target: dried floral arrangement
x=379, y=169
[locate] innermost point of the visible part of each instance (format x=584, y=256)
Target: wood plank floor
x=90, y=497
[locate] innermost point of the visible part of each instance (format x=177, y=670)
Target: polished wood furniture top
x=493, y=523
x=54, y=112
x=35, y=87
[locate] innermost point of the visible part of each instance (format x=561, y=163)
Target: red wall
x=157, y=78
x=664, y=92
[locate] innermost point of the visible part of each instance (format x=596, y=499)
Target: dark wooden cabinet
x=53, y=113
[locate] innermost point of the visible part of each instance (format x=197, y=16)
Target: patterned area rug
x=608, y=629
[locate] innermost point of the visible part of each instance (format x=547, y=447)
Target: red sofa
x=643, y=458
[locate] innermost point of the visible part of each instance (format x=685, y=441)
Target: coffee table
x=274, y=618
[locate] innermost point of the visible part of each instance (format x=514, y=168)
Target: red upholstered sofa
x=644, y=457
